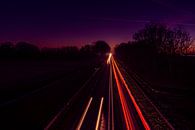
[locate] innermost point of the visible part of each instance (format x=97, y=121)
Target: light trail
x=52, y=121
x=99, y=114
x=84, y=114
x=146, y=126
x=127, y=116
x=70, y=101
x=109, y=57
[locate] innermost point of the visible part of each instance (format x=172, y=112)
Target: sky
x=78, y=22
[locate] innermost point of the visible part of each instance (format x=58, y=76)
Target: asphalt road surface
x=108, y=100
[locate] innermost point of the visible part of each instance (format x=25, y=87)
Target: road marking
x=111, y=106
x=99, y=114
x=52, y=121
x=84, y=114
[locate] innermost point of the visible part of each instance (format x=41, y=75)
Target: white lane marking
x=112, y=101
x=84, y=114
x=99, y=114
x=109, y=98
x=110, y=107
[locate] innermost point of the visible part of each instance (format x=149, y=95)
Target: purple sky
x=79, y=22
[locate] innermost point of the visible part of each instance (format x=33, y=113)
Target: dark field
x=32, y=92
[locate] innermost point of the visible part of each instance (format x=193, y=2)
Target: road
x=107, y=102
x=109, y=99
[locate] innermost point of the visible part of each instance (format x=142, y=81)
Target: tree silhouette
x=87, y=51
x=181, y=41
x=162, y=39
x=26, y=50
x=71, y=52
x=101, y=47
x=156, y=48
x=64, y=53
x=7, y=50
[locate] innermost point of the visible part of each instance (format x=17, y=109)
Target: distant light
x=109, y=57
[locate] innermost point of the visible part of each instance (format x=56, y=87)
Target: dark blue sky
x=76, y=22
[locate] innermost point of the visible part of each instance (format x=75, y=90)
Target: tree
x=69, y=52
x=7, y=50
x=101, y=47
x=87, y=51
x=153, y=35
x=181, y=41
x=26, y=50
x=162, y=39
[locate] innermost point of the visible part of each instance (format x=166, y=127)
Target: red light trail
x=128, y=118
x=126, y=113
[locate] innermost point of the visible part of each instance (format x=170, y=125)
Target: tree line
x=159, y=39
x=157, y=49
x=25, y=50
